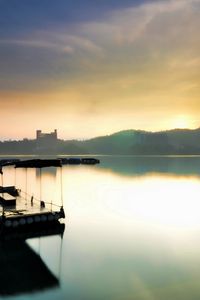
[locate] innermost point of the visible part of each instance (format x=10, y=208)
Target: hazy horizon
x=92, y=137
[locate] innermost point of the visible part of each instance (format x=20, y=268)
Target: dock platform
x=7, y=199
x=22, y=212
x=18, y=209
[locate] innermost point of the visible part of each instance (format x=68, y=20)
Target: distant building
x=48, y=137
x=45, y=140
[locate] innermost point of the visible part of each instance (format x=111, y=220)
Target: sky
x=94, y=67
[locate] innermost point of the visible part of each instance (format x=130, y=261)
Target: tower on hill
x=45, y=140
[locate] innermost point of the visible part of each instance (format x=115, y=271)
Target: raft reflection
x=22, y=270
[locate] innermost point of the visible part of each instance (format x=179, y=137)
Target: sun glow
x=182, y=122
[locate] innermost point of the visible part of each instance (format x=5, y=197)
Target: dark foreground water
x=132, y=232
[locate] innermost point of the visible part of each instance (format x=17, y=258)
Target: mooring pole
x=2, y=179
x=60, y=258
x=40, y=184
x=61, y=183
x=15, y=177
x=26, y=186
x=1, y=171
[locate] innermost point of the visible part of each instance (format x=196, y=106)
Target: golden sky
x=135, y=66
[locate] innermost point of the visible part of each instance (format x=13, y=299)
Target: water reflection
x=22, y=269
x=139, y=166
x=51, y=171
x=133, y=229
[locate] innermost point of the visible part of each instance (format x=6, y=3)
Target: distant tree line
x=129, y=142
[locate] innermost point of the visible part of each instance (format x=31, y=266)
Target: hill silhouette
x=138, y=142
x=127, y=142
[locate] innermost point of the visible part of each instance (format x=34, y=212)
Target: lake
x=132, y=229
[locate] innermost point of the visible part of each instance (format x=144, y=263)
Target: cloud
x=58, y=42
x=140, y=60
x=148, y=31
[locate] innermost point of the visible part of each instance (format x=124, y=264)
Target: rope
x=35, y=199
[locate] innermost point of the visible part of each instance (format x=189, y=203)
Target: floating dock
x=18, y=212
x=79, y=161
x=17, y=218
x=25, y=211
x=22, y=216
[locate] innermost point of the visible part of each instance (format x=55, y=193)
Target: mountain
x=137, y=142
x=127, y=142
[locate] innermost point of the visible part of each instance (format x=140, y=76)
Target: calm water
x=132, y=229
